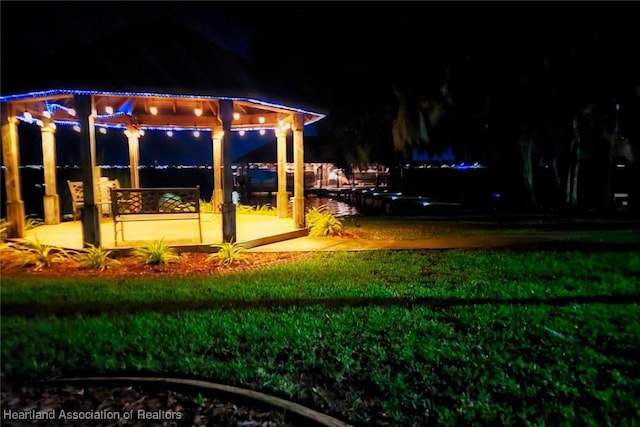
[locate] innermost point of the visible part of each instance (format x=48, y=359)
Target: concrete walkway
x=309, y=244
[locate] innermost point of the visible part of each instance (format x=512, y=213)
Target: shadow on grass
x=65, y=309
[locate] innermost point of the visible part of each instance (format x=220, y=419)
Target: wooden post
x=11, y=161
x=298, y=171
x=133, y=138
x=228, y=207
x=283, y=196
x=218, y=195
x=85, y=108
x=51, y=199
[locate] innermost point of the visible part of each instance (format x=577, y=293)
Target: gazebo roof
x=155, y=110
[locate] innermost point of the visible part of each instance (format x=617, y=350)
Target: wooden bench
x=149, y=204
x=103, y=199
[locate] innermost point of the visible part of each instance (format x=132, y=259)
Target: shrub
x=25, y=253
x=156, y=253
x=257, y=210
x=95, y=257
x=321, y=222
x=207, y=207
x=32, y=223
x=228, y=253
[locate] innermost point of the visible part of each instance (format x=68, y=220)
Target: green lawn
x=547, y=335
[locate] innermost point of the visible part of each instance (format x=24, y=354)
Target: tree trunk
x=525, y=143
x=574, y=168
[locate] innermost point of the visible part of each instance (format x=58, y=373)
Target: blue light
x=74, y=92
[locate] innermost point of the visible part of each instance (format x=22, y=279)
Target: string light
x=127, y=108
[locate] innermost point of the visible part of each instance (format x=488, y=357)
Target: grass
x=536, y=336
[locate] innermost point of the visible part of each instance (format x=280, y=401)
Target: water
x=32, y=184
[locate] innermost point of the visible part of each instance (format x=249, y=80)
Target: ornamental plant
x=25, y=253
x=156, y=253
x=95, y=257
x=321, y=222
x=228, y=253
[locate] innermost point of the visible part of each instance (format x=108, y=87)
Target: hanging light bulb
x=153, y=110
x=236, y=116
x=108, y=109
x=241, y=133
x=198, y=111
x=169, y=133
x=261, y=119
x=102, y=130
x=76, y=128
x=262, y=132
x=27, y=116
x=196, y=133
x=46, y=114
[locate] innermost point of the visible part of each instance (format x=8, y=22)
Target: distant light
x=241, y=133
x=169, y=133
x=425, y=203
x=154, y=110
x=261, y=119
x=198, y=111
x=196, y=133
x=236, y=116
x=102, y=130
x=108, y=109
x=262, y=131
x=621, y=165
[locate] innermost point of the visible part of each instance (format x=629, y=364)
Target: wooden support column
x=133, y=138
x=283, y=196
x=85, y=109
x=218, y=195
x=228, y=207
x=298, y=171
x=11, y=161
x=51, y=199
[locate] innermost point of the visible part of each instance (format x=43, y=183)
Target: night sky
x=343, y=57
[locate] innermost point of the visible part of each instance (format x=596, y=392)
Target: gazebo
x=135, y=112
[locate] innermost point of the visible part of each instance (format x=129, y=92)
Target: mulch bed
x=131, y=405
x=188, y=264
